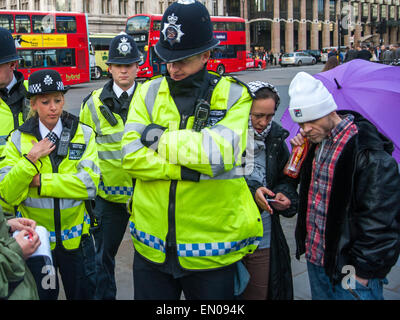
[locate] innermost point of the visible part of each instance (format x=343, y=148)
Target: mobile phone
x=272, y=200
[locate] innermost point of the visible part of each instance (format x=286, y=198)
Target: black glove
x=151, y=136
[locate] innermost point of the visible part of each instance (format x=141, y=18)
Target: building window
x=106, y=6
x=86, y=6
x=13, y=5
x=123, y=7
x=37, y=5
x=23, y=5
x=139, y=6
x=215, y=7
x=161, y=6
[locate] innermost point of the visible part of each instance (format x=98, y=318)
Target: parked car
x=315, y=53
x=297, y=59
x=325, y=51
x=254, y=62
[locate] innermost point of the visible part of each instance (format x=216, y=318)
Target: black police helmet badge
x=172, y=32
x=186, y=30
x=123, y=50
x=44, y=82
x=124, y=47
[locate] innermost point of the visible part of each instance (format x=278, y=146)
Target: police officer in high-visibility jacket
x=50, y=169
x=106, y=110
x=193, y=216
x=14, y=105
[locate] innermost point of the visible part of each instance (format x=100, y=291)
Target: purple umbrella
x=369, y=88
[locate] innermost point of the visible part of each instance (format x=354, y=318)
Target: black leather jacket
x=363, y=218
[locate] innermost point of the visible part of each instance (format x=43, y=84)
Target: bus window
x=157, y=25
x=47, y=58
x=43, y=24
x=26, y=58
x=138, y=24
x=22, y=24
x=65, y=24
x=7, y=22
x=66, y=57
x=50, y=58
x=38, y=60
x=219, y=26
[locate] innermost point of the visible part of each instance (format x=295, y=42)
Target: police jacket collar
x=187, y=85
x=18, y=90
x=31, y=126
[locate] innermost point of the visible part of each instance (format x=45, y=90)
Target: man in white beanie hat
x=312, y=106
x=349, y=213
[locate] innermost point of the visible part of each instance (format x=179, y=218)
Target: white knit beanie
x=309, y=99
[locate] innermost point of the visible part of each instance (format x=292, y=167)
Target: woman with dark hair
x=331, y=63
x=269, y=266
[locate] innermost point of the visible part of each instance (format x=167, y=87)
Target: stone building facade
x=288, y=25
x=277, y=25
x=104, y=15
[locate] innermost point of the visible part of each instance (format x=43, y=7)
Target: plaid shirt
x=326, y=156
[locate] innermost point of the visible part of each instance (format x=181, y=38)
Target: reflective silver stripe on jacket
x=110, y=138
x=3, y=140
x=235, y=92
x=132, y=147
x=4, y=171
x=151, y=95
x=48, y=203
x=213, y=152
x=110, y=155
x=85, y=177
x=16, y=140
x=87, y=133
x=135, y=126
x=96, y=120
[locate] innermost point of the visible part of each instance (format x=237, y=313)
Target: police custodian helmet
x=123, y=50
x=45, y=81
x=8, y=52
x=186, y=30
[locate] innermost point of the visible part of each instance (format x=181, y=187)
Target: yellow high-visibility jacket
x=213, y=222
x=65, y=182
x=12, y=119
x=115, y=184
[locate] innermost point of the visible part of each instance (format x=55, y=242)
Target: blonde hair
x=32, y=113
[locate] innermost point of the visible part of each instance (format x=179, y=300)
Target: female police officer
x=50, y=169
x=192, y=216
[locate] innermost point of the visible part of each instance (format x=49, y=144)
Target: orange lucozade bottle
x=292, y=168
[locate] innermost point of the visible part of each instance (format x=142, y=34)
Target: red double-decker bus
x=229, y=56
x=50, y=40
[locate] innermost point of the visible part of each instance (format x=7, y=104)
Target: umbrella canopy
x=369, y=88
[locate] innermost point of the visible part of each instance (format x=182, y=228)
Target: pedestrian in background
x=351, y=54
x=50, y=169
x=14, y=106
x=364, y=54
x=331, y=63
x=349, y=213
x=105, y=110
x=193, y=217
x=16, y=281
x=269, y=266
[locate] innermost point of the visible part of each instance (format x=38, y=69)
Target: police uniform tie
x=124, y=98
x=52, y=137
